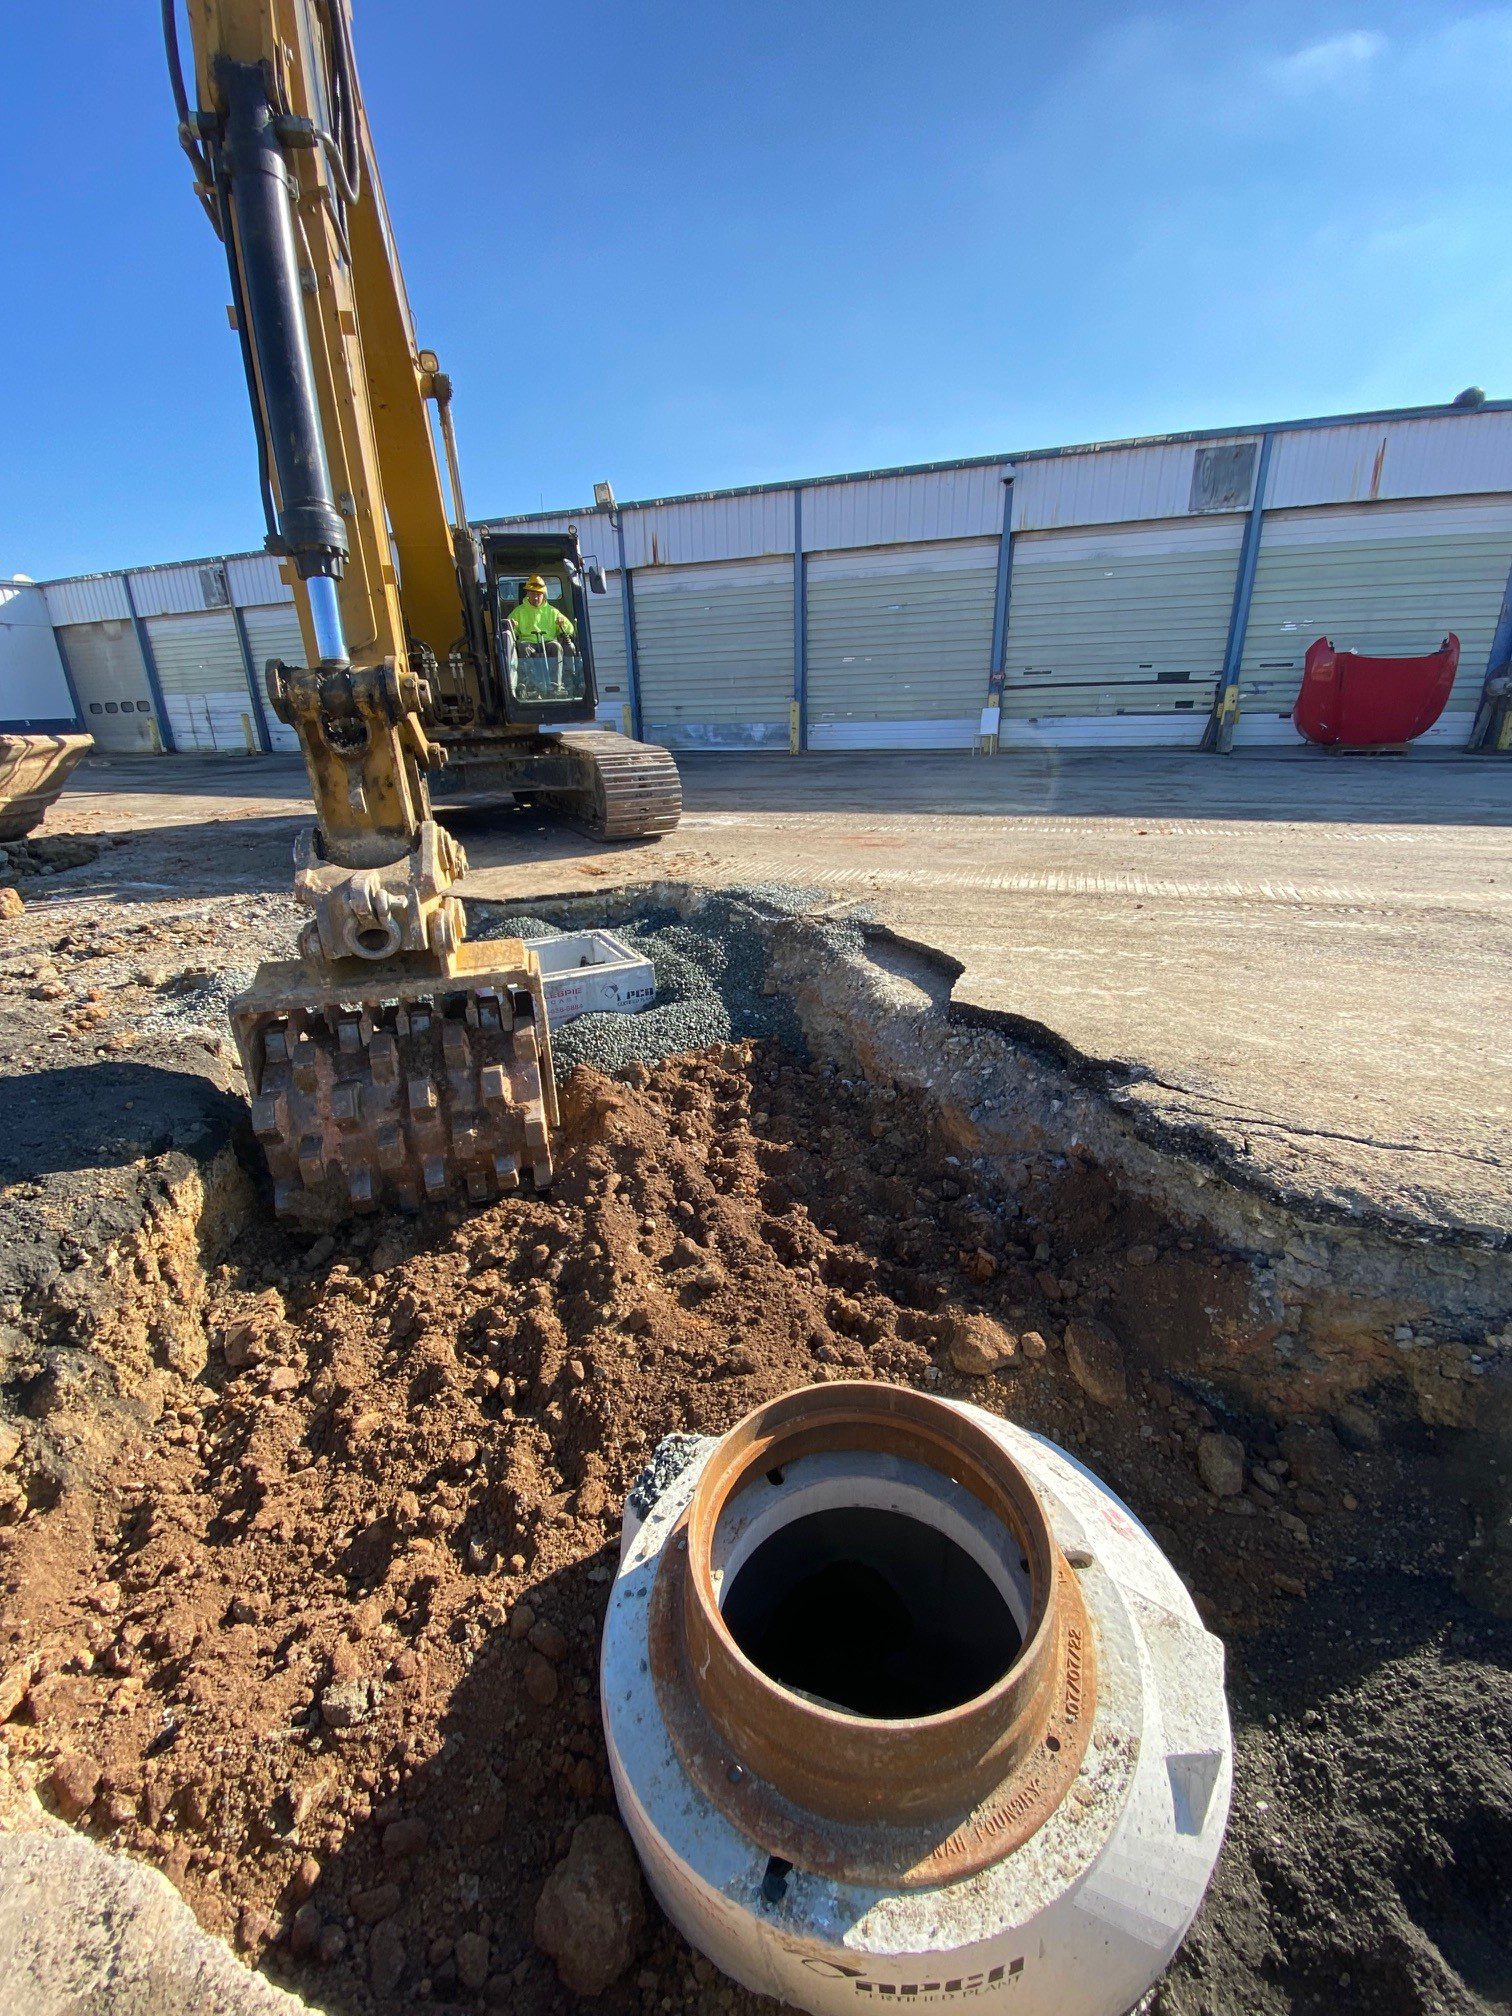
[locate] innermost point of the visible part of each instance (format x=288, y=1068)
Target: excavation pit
x=284, y=1515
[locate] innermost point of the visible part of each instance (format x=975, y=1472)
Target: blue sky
x=685, y=247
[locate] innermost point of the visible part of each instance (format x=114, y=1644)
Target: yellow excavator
x=394, y=1062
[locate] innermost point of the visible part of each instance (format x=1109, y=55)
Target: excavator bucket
x=374, y=1089
x=33, y=770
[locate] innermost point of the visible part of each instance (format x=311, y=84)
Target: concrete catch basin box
x=592, y=973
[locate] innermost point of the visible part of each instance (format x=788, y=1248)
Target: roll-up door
x=606, y=620
x=899, y=641
x=204, y=682
x=714, y=645
x=1388, y=579
x=273, y=632
x=105, y=662
x=1117, y=637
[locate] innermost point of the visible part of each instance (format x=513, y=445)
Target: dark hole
x=373, y=940
x=774, y=1476
x=774, y=1882
x=871, y=1612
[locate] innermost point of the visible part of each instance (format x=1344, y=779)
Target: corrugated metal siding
x=711, y=528
x=1119, y=627
x=1389, y=579
x=105, y=662
x=606, y=621
x=893, y=510
x=1459, y=454
x=715, y=649
x=204, y=684
x=255, y=577
x=90, y=598
x=898, y=646
x=167, y=591
x=1108, y=486
x=273, y=632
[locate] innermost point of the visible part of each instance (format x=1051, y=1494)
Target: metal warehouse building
x=1150, y=593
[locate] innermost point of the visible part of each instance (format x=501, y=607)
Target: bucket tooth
x=349, y=1035
x=383, y=1057
x=276, y=1046
x=391, y=1155
x=479, y=1190
x=311, y=1158
x=306, y=1069
x=346, y=1103
x=493, y=1085
x=270, y=1117
x=507, y=1172
x=433, y=1175
x=361, y=1187
x=423, y=1097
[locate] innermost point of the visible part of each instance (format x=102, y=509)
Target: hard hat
x=535, y=581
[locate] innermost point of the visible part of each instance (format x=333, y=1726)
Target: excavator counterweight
x=392, y=1062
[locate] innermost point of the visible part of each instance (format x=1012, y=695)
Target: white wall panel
x=33, y=688
x=88, y=598
x=257, y=577
x=1385, y=579
x=715, y=651
x=898, y=645
x=1455, y=454
x=709, y=528
x=892, y=510
x=165, y=591
x=1107, y=486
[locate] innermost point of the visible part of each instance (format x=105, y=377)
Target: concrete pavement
x=1306, y=956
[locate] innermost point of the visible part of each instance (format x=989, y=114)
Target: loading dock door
x=1385, y=579
x=899, y=643
x=715, y=650
x=273, y=632
x=105, y=663
x=204, y=682
x=1117, y=637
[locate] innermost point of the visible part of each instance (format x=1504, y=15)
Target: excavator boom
x=392, y=1062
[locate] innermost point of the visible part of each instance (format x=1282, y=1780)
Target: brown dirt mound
x=322, y=1644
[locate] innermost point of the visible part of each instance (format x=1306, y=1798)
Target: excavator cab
x=549, y=683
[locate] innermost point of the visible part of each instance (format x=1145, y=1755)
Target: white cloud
x=1322, y=66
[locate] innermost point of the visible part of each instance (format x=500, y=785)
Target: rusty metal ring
x=909, y=1802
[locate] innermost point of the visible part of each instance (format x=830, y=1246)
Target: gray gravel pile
x=710, y=971
x=198, y=1002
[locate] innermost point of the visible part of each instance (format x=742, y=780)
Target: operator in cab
x=541, y=635
x=537, y=621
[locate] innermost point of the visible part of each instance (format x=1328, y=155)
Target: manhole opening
x=871, y=1612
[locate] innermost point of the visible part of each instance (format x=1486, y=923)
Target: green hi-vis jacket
x=545, y=624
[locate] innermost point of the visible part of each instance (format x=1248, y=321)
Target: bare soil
x=320, y=1639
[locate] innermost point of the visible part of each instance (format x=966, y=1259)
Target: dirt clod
x=1095, y=1357
x=589, y=1916
x=978, y=1345
x=1220, y=1464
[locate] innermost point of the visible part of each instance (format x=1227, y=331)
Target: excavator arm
x=393, y=1062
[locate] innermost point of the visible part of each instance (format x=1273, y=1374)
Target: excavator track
x=627, y=790
x=427, y=1091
